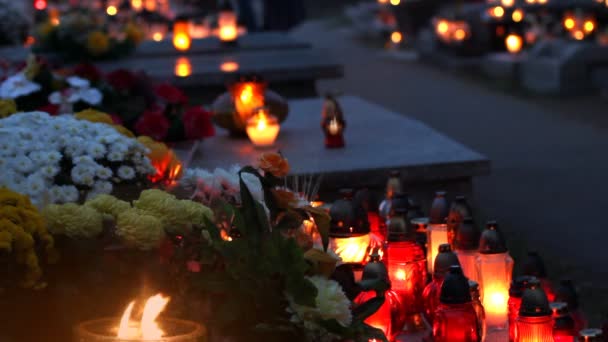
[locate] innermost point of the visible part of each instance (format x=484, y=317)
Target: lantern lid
x=590, y=335
x=559, y=308
x=566, y=292
x=444, y=260
x=439, y=208
x=397, y=227
x=492, y=241
x=467, y=235
x=534, y=265
x=534, y=302
x=455, y=288
x=420, y=221
x=518, y=285
x=375, y=269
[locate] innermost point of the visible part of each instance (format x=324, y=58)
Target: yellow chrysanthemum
x=139, y=229
x=94, y=116
x=74, y=221
x=108, y=205
x=7, y=108
x=134, y=34
x=98, y=43
x=14, y=199
x=124, y=131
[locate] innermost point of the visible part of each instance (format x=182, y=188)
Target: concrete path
x=548, y=186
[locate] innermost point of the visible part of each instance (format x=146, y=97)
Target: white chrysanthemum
x=116, y=156
x=102, y=187
x=330, y=303
x=104, y=173
x=96, y=150
x=126, y=172
x=53, y=157
x=56, y=193
x=77, y=82
x=49, y=171
x=16, y=86
x=70, y=193
x=34, y=185
x=23, y=164
x=91, y=96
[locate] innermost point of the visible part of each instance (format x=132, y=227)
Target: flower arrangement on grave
x=158, y=111
x=81, y=34
x=63, y=159
x=264, y=275
x=25, y=243
x=14, y=25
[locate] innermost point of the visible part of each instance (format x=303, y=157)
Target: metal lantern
x=437, y=230
x=349, y=231
x=494, y=268
x=455, y=318
x=444, y=260
x=466, y=244
x=535, y=321
x=407, y=269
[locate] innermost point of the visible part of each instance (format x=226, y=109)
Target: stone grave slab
x=282, y=66
x=502, y=65
x=377, y=141
x=212, y=45
x=563, y=67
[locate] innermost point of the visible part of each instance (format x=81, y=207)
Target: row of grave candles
x=451, y=240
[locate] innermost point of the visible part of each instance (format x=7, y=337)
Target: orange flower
x=284, y=198
x=274, y=164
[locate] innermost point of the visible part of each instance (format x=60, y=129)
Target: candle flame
x=148, y=328
x=157, y=36
x=400, y=275
x=262, y=121
x=334, y=126
x=352, y=249
x=181, y=41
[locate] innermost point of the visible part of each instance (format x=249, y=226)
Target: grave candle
x=263, y=128
x=248, y=95
x=227, y=23
x=181, y=35
x=514, y=43
x=437, y=229
x=534, y=323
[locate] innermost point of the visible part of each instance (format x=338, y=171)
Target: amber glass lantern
x=181, y=35
x=535, y=321
x=437, y=230
x=494, y=268
x=350, y=236
x=516, y=292
x=227, y=24
x=407, y=269
x=444, y=260
x=455, y=318
x=564, y=329
x=466, y=245
x=248, y=95
x=263, y=128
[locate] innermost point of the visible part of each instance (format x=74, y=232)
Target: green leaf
x=322, y=221
x=363, y=311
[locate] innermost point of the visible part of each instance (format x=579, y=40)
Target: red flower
x=50, y=108
x=171, y=94
x=88, y=71
x=154, y=124
x=122, y=79
x=197, y=123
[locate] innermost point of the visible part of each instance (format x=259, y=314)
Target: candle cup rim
x=197, y=330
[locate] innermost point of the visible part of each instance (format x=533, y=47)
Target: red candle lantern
x=333, y=123
x=534, y=266
x=494, y=268
x=516, y=291
x=382, y=318
x=479, y=310
x=455, y=319
x=181, y=35
x=407, y=269
x=437, y=230
x=466, y=245
x=459, y=210
x=563, y=323
x=566, y=293
x=444, y=260
x=534, y=323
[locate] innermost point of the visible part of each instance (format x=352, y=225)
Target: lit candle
x=514, y=43
x=150, y=5
x=334, y=127
x=494, y=268
x=54, y=16
x=157, y=31
x=247, y=97
x=137, y=5
x=227, y=23
x=437, y=230
x=181, y=35
x=263, y=128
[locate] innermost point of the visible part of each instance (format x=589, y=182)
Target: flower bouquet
x=64, y=159
x=84, y=35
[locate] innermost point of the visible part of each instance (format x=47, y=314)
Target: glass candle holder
x=381, y=319
x=181, y=35
x=227, y=25
x=247, y=95
x=104, y=330
x=516, y=291
x=466, y=244
x=263, y=128
x=534, y=322
x=437, y=235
